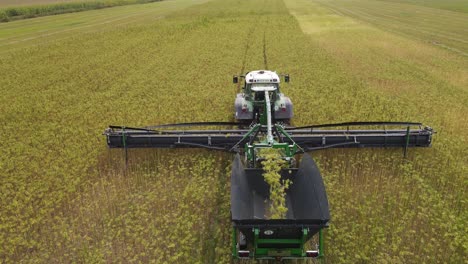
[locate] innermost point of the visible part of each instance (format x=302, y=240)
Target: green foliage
x=4, y=16
x=272, y=165
x=22, y=12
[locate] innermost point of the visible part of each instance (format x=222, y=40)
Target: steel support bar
x=278, y=241
x=234, y=242
x=321, y=250
x=337, y=139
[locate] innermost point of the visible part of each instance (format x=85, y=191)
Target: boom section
x=234, y=139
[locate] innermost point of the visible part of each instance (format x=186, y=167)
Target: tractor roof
x=262, y=76
x=263, y=88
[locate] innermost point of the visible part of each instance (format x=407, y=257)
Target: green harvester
x=262, y=120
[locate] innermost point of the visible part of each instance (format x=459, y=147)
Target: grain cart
x=267, y=113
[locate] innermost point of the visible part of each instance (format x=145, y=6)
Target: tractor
x=249, y=105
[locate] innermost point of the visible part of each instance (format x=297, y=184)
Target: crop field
x=65, y=197
x=40, y=9
x=453, y=5
x=443, y=28
x=4, y=3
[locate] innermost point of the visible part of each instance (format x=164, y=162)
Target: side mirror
x=286, y=78
x=235, y=79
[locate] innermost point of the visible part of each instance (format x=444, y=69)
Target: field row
x=137, y=75
x=7, y=3
x=453, y=5
x=442, y=28
x=23, y=12
x=390, y=77
x=24, y=33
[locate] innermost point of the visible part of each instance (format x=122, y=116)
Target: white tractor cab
x=250, y=103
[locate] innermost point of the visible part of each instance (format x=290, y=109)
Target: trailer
x=257, y=236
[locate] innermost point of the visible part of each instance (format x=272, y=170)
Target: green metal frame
x=290, y=247
x=321, y=249
x=234, y=242
x=272, y=252
x=289, y=150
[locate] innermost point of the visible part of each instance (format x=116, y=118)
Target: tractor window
x=259, y=85
x=259, y=96
x=257, y=90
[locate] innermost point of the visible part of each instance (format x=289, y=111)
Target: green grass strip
x=23, y=12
